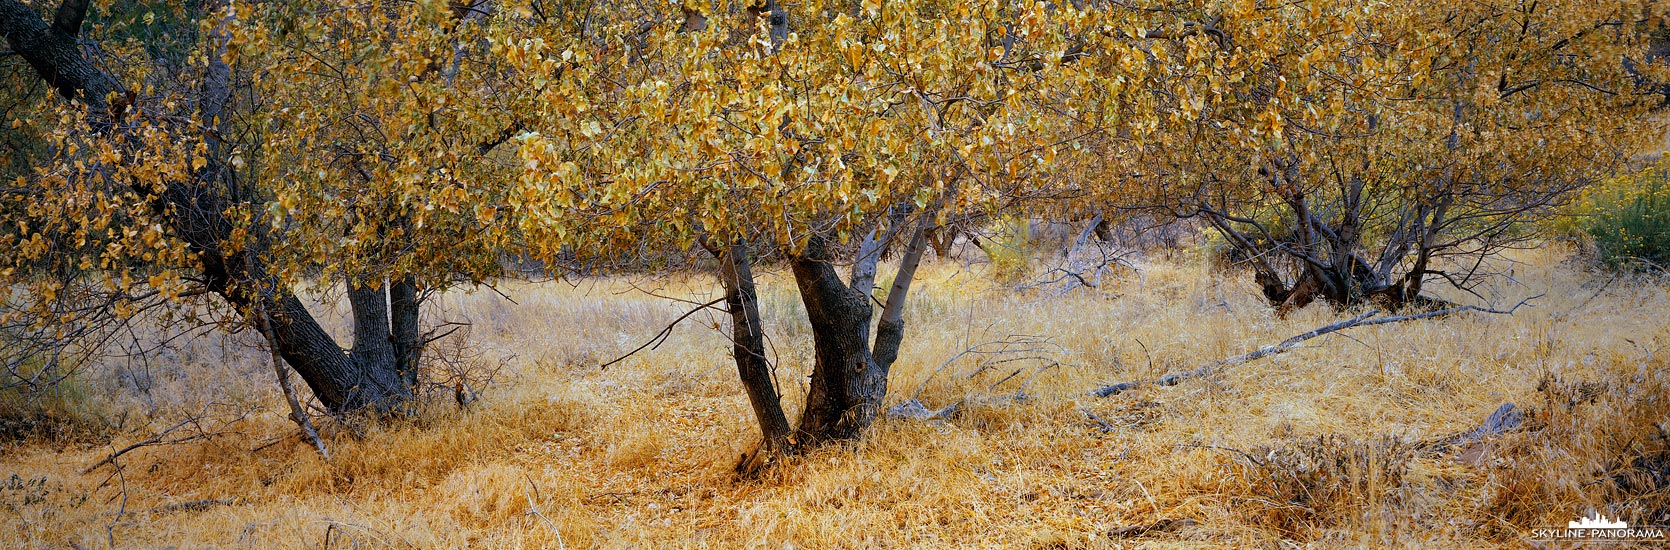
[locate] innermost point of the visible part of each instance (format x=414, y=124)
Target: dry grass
x=1326, y=446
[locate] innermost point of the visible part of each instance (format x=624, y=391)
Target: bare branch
x=665, y=332
x=1290, y=343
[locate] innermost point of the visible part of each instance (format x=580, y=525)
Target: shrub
x=1010, y=248
x=1627, y=219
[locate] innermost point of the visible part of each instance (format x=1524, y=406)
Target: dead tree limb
x=297, y=413
x=161, y=438
x=1506, y=418
x=1290, y=343
x=1448, y=311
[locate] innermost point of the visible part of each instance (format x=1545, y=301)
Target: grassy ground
x=1327, y=446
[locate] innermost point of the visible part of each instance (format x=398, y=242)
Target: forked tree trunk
x=847, y=383
x=849, y=377
x=341, y=383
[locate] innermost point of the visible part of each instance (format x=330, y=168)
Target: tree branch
x=1290, y=343
x=69, y=16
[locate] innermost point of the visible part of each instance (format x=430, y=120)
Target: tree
x=192, y=189
x=823, y=136
x=1355, y=154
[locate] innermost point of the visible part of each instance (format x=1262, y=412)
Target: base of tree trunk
x=759, y=459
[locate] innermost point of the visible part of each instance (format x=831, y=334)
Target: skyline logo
x=1596, y=521
x=1598, y=527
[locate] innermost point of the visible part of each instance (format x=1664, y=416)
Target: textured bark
x=890, y=329
x=195, y=210
x=53, y=52
x=373, y=345
x=748, y=346
x=341, y=384
x=847, y=384
x=408, y=342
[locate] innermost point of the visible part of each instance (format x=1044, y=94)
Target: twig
x=1006, y=346
x=110, y=529
x=157, y=439
x=1105, y=426
x=662, y=336
x=534, y=511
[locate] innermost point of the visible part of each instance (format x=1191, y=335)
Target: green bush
x=1628, y=220
x=1010, y=249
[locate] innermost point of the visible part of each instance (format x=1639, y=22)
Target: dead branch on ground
x=161, y=438
x=1287, y=345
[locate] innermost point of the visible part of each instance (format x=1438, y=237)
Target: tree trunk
x=408, y=343
x=54, y=52
x=748, y=347
x=847, y=383
x=342, y=384
x=195, y=210
x=890, y=329
x=373, y=345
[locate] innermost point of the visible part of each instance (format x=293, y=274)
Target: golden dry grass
x=1320, y=447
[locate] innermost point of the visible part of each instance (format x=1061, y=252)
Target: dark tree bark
x=408, y=342
x=341, y=384
x=55, y=55
x=748, y=349
x=195, y=211
x=849, y=378
x=847, y=383
x=369, y=307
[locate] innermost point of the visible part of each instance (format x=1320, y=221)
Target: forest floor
x=1334, y=444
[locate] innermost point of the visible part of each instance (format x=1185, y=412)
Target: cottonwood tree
x=178, y=177
x=382, y=123
x=822, y=133
x=1356, y=152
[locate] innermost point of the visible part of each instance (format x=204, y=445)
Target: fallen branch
x=1448, y=311
x=1161, y=526
x=1266, y=351
x=912, y=409
x=1504, y=419
x=159, y=439
x=195, y=505
x=1290, y=343
x=533, y=510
